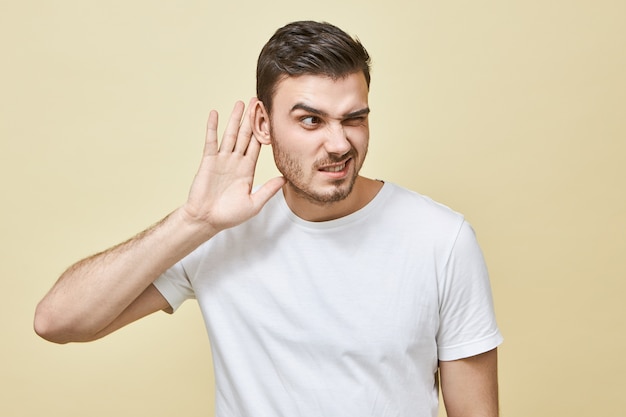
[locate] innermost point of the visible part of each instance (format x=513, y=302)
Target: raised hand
x=221, y=194
x=106, y=291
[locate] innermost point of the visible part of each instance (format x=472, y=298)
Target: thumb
x=265, y=192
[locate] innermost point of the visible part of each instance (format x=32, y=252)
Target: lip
x=342, y=172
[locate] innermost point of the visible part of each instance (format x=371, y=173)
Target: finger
x=245, y=130
x=210, y=141
x=265, y=192
x=254, y=148
x=232, y=128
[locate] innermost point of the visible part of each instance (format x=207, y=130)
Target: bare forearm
x=93, y=292
x=470, y=386
x=100, y=294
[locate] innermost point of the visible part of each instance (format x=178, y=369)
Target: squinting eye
x=356, y=121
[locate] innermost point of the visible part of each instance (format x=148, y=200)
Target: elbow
x=56, y=329
x=44, y=328
x=47, y=327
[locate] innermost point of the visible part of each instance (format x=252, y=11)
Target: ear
x=261, y=123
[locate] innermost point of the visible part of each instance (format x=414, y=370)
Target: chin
x=336, y=193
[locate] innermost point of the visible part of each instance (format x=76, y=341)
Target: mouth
x=336, y=168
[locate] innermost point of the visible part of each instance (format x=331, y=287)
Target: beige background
x=510, y=112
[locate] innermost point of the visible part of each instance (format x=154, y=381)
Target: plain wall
x=512, y=113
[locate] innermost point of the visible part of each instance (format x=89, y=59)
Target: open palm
x=221, y=194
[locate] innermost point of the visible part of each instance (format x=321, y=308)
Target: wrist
x=196, y=228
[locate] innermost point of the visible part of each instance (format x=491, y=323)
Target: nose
x=337, y=140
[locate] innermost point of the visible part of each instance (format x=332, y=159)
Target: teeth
x=335, y=168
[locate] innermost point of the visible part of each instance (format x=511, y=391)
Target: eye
x=310, y=121
x=355, y=121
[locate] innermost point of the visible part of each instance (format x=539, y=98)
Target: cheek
x=359, y=136
x=295, y=142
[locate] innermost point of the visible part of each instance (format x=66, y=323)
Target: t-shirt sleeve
x=174, y=285
x=467, y=324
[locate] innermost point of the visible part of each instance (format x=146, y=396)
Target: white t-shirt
x=347, y=317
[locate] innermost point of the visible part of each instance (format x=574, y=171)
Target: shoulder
x=418, y=209
x=407, y=219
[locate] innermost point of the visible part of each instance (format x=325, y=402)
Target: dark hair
x=308, y=48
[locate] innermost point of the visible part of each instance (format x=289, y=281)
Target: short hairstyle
x=308, y=48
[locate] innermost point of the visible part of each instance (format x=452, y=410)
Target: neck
x=363, y=191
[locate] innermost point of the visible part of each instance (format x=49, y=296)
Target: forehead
x=332, y=96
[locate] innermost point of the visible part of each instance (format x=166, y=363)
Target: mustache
x=333, y=158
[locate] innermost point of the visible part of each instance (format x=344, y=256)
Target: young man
x=324, y=293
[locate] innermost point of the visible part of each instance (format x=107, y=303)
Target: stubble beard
x=294, y=173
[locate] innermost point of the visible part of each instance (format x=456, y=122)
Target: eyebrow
x=309, y=109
